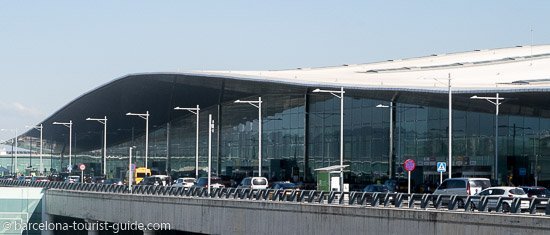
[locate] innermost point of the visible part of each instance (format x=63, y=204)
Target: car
x=254, y=183
x=536, y=191
x=72, y=179
x=396, y=185
x=151, y=180
x=376, y=188
x=166, y=179
x=228, y=181
x=8, y=177
x=462, y=186
x=98, y=179
x=24, y=178
x=40, y=179
x=215, y=182
x=186, y=182
x=286, y=185
x=114, y=181
x=508, y=193
x=58, y=177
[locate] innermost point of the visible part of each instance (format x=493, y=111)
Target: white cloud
x=20, y=110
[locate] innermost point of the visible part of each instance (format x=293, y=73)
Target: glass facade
x=301, y=132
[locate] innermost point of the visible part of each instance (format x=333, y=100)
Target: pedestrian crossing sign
x=441, y=167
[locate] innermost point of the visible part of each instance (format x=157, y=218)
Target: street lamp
x=104, y=122
x=340, y=95
x=146, y=117
x=130, y=169
x=390, y=160
x=196, y=112
x=496, y=100
x=210, y=131
x=450, y=163
x=40, y=128
x=257, y=104
x=14, y=166
x=70, y=126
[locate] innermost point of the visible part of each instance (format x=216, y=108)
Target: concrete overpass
x=221, y=216
x=273, y=212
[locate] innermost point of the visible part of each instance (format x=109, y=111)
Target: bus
x=140, y=173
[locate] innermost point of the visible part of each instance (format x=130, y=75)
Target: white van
x=254, y=183
x=462, y=186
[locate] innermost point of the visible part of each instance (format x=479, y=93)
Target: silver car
x=462, y=186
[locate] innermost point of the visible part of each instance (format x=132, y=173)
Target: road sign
x=409, y=165
x=69, y=168
x=82, y=167
x=441, y=167
x=133, y=167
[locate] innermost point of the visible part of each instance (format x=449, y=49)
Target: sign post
x=131, y=169
x=409, y=166
x=82, y=167
x=441, y=168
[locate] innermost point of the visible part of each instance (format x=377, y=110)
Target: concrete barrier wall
x=215, y=216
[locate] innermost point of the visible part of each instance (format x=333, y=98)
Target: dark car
x=40, y=179
x=376, y=188
x=8, y=177
x=216, y=182
x=151, y=181
x=97, y=179
x=536, y=191
x=284, y=185
x=115, y=181
x=397, y=185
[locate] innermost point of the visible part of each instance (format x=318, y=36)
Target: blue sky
x=53, y=51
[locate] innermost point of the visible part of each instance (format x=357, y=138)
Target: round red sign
x=82, y=167
x=409, y=165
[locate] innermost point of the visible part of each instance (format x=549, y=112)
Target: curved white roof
x=517, y=68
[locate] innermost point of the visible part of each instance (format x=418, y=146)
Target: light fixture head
x=316, y=90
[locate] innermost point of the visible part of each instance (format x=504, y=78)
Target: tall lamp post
x=340, y=95
x=496, y=100
x=450, y=93
x=104, y=122
x=130, y=169
x=210, y=131
x=390, y=153
x=146, y=117
x=257, y=104
x=70, y=126
x=196, y=112
x=40, y=128
x=14, y=152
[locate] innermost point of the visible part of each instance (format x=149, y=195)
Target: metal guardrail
x=482, y=204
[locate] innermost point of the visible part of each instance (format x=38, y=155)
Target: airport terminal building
x=392, y=111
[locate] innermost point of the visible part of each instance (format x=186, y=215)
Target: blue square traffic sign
x=441, y=167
